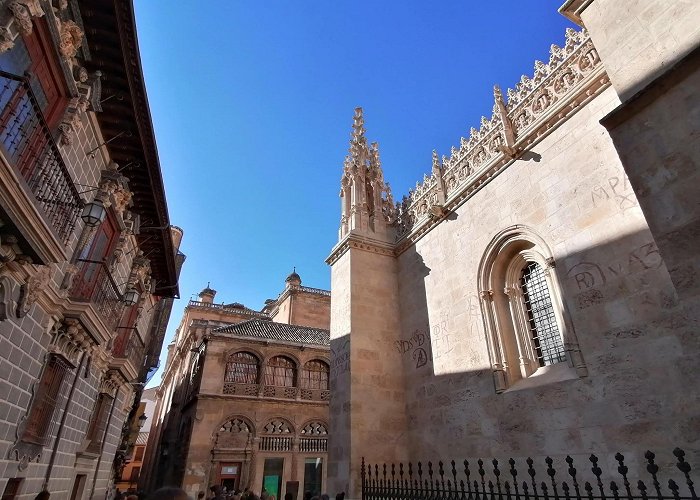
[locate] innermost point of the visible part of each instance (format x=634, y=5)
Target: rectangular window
x=138, y=454
x=313, y=473
x=98, y=422
x=41, y=414
x=11, y=488
x=272, y=476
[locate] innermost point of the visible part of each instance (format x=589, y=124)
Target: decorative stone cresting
x=573, y=73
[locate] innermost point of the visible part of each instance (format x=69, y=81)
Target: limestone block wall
x=616, y=291
x=640, y=39
x=310, y=310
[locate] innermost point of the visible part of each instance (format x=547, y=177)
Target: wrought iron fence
x=480, y=481
x=29, y=145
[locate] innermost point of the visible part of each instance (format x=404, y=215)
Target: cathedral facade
x=536, y=294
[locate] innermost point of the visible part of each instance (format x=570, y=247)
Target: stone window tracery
x=315, y=375
x=242, y=368
x=280, y=371
x=526, y=323
x=314, y=429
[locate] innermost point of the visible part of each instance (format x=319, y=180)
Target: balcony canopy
x=112, y=48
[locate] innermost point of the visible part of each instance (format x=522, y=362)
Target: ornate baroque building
x=87, y=253
x=537, y=294
x=244, y=396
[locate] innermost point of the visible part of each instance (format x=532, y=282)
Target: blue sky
x=252, y=104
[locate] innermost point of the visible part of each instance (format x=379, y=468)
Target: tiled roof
x=278, y=331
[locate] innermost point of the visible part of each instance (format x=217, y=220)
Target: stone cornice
x=572, y=10
x=360, y=242
x=275, y=401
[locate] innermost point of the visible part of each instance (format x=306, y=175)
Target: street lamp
x=131, y=296
x=142, y=421
x=94, y=213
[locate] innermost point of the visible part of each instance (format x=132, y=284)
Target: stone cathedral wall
x=573, y=193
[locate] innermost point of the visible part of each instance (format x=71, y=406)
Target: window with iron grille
x=280, y=372
x=525, y=321
x=98, y=423
x=542, y=322
x=49, y=390
x=242, y=368
x=315, y=375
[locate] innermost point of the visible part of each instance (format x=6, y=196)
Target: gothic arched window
x=280, y=372
x=524, y=316
x=315, y=375
x=242, y=368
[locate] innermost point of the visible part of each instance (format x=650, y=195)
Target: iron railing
x=94, y=283
x=128, y=345
x=32, y=151
x=458, y=482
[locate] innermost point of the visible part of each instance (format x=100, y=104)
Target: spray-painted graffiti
x=415, y=346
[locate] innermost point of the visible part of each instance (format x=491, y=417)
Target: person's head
x=169, y=493
x=215, y=489
x=340, y=496
x=325, y=497
x=201, y=494
x=43, y=495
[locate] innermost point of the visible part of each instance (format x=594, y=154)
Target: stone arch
x=236, y=431
x=314, y=428
x=512, y=350
x=278, y=426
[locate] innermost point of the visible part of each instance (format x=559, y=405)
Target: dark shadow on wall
x=639, y=342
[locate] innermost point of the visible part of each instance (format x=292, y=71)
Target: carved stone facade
x=536, y=294
x=73, y=351
x=245, y=396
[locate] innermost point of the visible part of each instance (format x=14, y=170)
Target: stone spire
x=362, y=186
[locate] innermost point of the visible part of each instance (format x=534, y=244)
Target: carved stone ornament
x=22, y=17
x=7, y=41
x=70, y=340
x=30, y=291
x=7, y=289
x=110, y=383
x=71, y=39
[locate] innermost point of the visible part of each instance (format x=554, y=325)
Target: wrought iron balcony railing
x=128, y=345
x=30, y=148
x=94, y=283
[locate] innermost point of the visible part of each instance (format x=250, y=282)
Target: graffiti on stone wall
x=415, y=347
x=340, y=357
x=589, y=276
x=617, y=189
x=443, y=340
